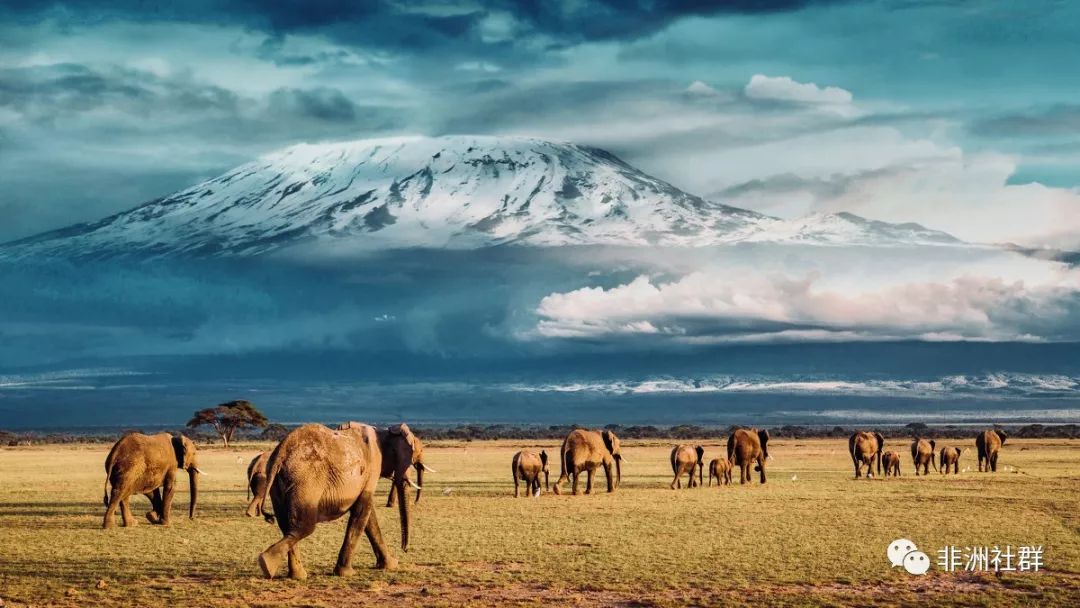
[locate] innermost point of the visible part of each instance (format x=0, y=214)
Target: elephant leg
x=125, y=512
x=254, y=507
x=167, y=497
x=515, y=484
x=761, y=468
x=300, y=525
x=610, y=478
x=358, y=517
x=154, y=514
x=383, y=559
x=993, y=463
x=391, y=499
x=588, y=481
x=110, y=511
x=577, y=474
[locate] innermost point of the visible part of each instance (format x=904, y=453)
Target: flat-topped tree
x=227, y=417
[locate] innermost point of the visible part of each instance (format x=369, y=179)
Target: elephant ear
x=763, y=435
x=700, y=453
x=880, y=441
x=184, y=451
x=609, y=440
x=933, y=445
x=1001, y=435
x=543, y=458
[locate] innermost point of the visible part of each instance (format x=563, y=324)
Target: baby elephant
x=721, y=469
x=950, y=457
x=527, y=467
x=686, y=460
x=256, y=476
x=891, y=462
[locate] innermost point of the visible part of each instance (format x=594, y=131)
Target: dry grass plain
x=812, y=536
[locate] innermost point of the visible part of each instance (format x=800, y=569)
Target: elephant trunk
x=403, y=508
x=618, y=471
x=419, y=479
x=193, y=483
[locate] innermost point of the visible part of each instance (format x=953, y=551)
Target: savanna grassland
x=813, y=535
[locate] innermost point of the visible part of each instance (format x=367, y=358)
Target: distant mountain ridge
x=455, y=192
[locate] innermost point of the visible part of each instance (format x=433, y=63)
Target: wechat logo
x=903, y=552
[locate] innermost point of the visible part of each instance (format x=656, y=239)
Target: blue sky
x=959, y=115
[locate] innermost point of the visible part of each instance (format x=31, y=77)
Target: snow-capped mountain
x=460, y=192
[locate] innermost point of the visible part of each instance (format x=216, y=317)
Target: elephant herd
x=866, y=449
x=317, y=474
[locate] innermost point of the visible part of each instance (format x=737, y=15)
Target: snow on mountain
x=460, y=192
x=848, y=229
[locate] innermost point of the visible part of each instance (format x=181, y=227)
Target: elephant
x=989, y=443
x=527, y=466
x=922, y=454
x=721, y=469
x=865, y=448
x=584, y=450
x=317, y=474
x=256, y=483
x=390, y=438
x=687, y=460
x=746, y=446
x=950, y=457
x=147, y=464
x=891, y=462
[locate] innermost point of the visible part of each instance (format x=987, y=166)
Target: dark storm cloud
x=322, y=104
x=61, y=92
x=609, y=19
x=44, y=93
x=399, y=25
x=1057, y=120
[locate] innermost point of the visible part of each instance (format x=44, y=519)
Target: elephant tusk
x=199, y=471
x=411, y=483
x=623, y=458
x=427, y=468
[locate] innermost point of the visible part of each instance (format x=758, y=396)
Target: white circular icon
x=916, y=562
x=898, y=549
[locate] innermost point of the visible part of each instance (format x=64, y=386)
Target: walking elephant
x=389, y=439
x=989, y=443
x=748, y=446
x=922, y=454
x=318, y=475
x=891, y=463
x=147, y=464
x=865, y=448
x=256, y=483
x=686, y=460
x=585, y=451
x=950, y=457
x=720, y=468
x=527, y=467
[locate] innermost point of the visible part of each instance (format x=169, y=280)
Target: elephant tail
x=105, y=498
x=272, y=468
x=564, y=466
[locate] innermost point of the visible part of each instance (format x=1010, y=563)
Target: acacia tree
x=227, y=417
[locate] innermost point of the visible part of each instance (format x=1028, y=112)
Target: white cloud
x=985, y=295
x=700, y=88
x=783, y=88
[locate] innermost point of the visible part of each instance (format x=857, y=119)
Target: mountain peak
x=459, y=192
